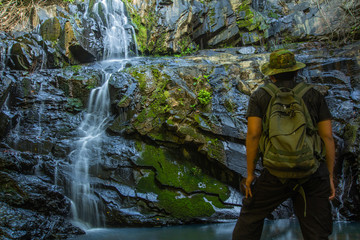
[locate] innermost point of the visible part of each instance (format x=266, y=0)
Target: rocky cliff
x=172, y=150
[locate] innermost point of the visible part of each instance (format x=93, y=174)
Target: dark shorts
x=269, y=192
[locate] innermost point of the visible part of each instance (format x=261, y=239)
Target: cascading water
x=88, y=150
x=259, y=5
x=118, y=34
x=86, y=207
x=2, y=58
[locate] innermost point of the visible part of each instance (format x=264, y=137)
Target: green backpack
x=289, y=144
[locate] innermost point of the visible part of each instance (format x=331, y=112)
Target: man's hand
x=332, y=187
x=248, y=182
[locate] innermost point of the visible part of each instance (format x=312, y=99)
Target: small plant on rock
x=204, y=97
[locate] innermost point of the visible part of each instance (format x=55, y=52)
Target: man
x=264, y=194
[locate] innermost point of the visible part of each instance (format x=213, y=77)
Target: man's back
x=264, y=194
x=314, y=100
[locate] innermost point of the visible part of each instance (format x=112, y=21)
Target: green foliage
x=195, y=171
x=69, y=1
x=154, y=95
x=186, y=48
x=91, y=84
x=74, y=105
x=76, y=68
x=201, y=79
x=204, y=97
x=272, y=14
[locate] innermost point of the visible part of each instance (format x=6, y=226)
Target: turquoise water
x=273, y=230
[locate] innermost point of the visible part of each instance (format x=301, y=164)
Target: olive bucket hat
x=281, y=61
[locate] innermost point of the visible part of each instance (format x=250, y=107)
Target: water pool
x=273, y=230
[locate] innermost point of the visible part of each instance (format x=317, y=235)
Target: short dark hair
x=285, y=76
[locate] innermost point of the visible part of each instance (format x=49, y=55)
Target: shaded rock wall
x=179, y=26
x=58, y=36
x=175, y=150
x=171, y=154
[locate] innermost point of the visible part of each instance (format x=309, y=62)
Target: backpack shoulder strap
x=271, y=89
x=301, y=88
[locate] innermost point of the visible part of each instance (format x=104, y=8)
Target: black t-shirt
x=313, y=99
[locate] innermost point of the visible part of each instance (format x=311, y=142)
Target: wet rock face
x=17, y=223
x=77, y=34
x=217, y=129
x=180, y=26
x=174, y=151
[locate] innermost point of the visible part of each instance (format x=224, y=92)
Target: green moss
x=160, y=45
x=51, y=29
x=141, y=77
x=230, y=105
x=170, y=175
x=203, y=123
x=74, y=104
x=173, y=173
x=188, y=130
x=170, y=121
x=76, y=68
x=124, y=102
x=212, y=17
x=186, y=46
x=156, y=73
x=214, y=149
x=272, y=14
x=155, y=100
x=184, y=207
x=175, y=203
x=91, y=5
x=250, y=37
x=350, y=133
x=147, y=182
x=248, y=19
x=90, y=83
x=144, y=26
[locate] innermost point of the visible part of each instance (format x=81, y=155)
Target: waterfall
x=41, y=109
x=87, y=154
x=259, y=5
x=2, y=57
x=118, y=34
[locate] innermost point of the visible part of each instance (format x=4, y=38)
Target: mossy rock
x=182, y=189
x=179, y=174
x=78, y=86
x=155, y=109
x=190, y=134
x=74, y=105
x=214, y=149
x=20, y=56
x=146, y=29
x=51, y=29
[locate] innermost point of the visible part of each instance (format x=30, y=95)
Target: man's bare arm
x=254, y=128
x=325, y=132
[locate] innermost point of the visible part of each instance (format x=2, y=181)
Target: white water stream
x=118, y=34
x=87, y=153
x=88, y=150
